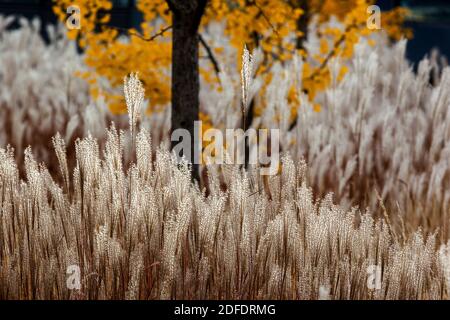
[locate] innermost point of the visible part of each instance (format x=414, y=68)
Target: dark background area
x=124, y=13
x=430, y=20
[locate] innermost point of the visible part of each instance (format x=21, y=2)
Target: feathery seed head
x=134, y=98
x=246, y=77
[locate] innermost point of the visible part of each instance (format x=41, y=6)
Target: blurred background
x=429, y=20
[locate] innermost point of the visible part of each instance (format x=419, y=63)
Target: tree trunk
x=302, y=23
x=186, y=16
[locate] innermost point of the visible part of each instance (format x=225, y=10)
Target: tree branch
x=261, y=11
x=210, y=55
x=139, y=35
x=330, y=55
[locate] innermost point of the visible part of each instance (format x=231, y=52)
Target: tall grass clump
x=144, y=231
x=39, y=96
x=380, y=139
x=42, y=93
x=383, y=136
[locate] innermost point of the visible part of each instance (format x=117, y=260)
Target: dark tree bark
x=186, y=17
x=302, y=22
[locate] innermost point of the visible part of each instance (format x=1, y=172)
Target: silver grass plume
x=246, y=80
x=134, y=98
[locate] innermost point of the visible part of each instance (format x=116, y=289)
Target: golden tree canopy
x=270, y=24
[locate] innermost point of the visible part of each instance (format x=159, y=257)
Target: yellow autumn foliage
x=270, y=24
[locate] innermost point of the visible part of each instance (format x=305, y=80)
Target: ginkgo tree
x=170, y=36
